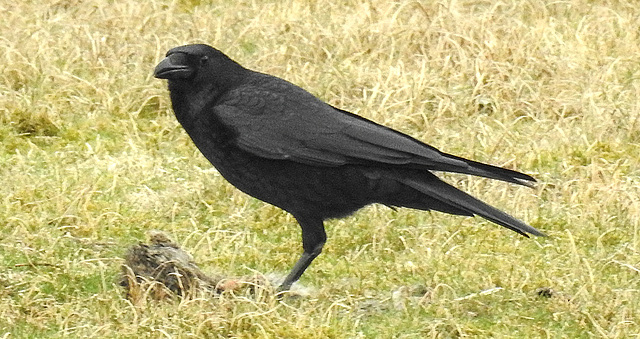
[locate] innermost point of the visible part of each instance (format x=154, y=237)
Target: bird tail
x=452, y=200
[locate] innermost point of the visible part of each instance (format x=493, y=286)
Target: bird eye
x=204, y=60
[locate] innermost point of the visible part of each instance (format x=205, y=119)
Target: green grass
x=91, y=158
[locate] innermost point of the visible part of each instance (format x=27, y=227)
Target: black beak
x=174, y=66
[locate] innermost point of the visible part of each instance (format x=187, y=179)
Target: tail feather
x=488, y=171
x=439, y=190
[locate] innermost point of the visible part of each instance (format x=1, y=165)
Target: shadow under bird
x=277, y=142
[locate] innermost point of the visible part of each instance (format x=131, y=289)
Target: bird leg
x=313, y=239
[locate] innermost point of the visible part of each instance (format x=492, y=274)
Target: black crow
x=277, y=142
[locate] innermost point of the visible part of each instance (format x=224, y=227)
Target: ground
x=92, y=158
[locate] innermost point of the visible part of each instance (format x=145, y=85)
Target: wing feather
x=286, y=122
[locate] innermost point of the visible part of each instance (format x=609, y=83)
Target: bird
x=280, y=144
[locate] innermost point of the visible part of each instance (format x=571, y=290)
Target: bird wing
x=299, y=127
x=287, y=122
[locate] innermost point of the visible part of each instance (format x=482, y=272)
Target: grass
x=91, y=158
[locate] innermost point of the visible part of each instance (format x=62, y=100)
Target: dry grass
x=92, y=158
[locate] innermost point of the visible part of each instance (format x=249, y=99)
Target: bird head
x=198, y=65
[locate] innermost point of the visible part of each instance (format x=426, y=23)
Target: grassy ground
x=91, y=158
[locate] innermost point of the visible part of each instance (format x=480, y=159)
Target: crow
x=278, y=143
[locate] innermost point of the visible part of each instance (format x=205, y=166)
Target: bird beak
x=174, y=66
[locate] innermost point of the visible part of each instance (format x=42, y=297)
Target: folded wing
x=304, y=129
